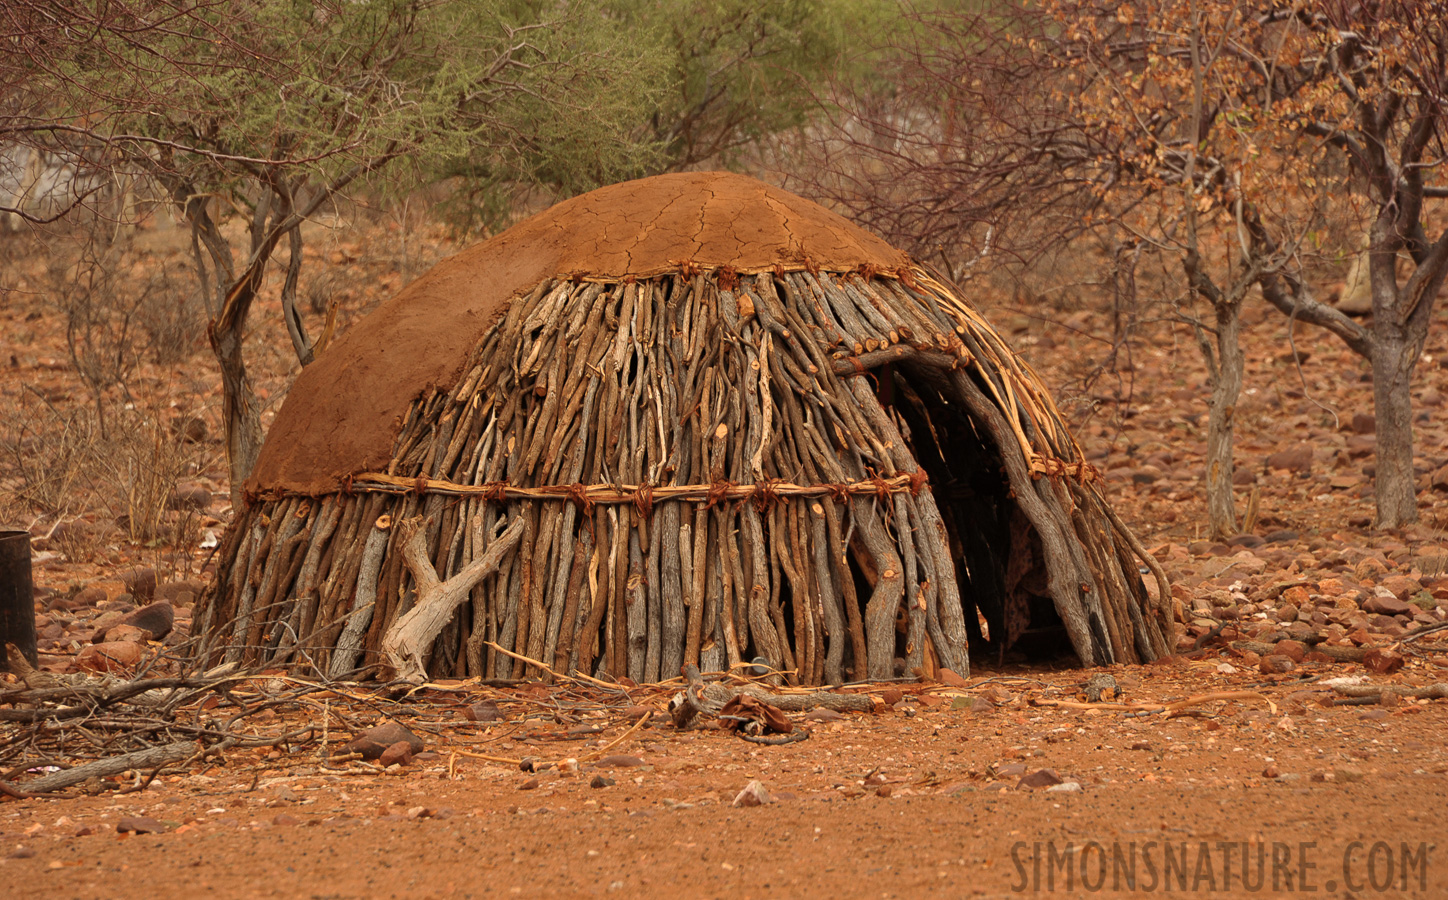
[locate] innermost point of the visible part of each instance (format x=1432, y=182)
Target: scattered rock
x=156, y=618
x=754, y=794
x=951, y=679
x=1271, y=772
x=1064, y=787
x=118, y=658
x=483, y=711
x=139, y=825
x=1276, y=664
x=1293, y=650
x=131, y=633
x=282, y=820
x=88, y=596
x=530, y=785
x=140, y=582
x=1384, y=603
x=1383, y=662
x=1294, y=459
x=399, y=753
x=1041, y=778
x=600, y=781
x=619, y=761
x=375, y=741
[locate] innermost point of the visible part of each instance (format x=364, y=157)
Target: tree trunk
x=1226, y=389
x=1394, y=483
x=238, y=408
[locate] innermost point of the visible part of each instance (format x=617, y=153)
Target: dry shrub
x=55, y=463
x=148, y=460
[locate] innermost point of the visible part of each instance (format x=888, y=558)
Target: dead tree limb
x=405, y=641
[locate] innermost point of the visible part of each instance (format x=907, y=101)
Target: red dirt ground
x=1347, y=778
x=919, y=800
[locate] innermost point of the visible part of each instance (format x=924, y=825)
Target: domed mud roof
x=344, y=411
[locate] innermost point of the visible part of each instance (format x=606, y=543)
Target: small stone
x=373, y=742
x=139, y=825
x=1065, y=787
x=1293, y=650
x=118, y=658
x=399, y=754
x=1294, y=459
x=1402, y=587
x=282, y=820
x=1364, y=423
x=1287, y=613
x=1271, y=772
x=951, y=679
x=1383, y=662
x=1039, y=779
x=1141, y=745
x=754, y=794
x=88, y=596
x=599, y=781
x=619, y=761
x=891, y=697
x=1384, y=603
x=157, y=618
x=128, y=633
x=1344, y=774
x=530, y=785
x=21, y=853
x=140, y=582
x=483, y=711
x=1276, y=664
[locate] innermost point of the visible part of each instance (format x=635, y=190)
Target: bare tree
x=1210, y=130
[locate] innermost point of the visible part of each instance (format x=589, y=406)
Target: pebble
x=1040, y=778
x=118, y=658
x=140, y=825
x=399, y=753
x=754, y=794
x=1276, y=664
x=375, y=741
x=155, y=618
x=619, y=761
x=483, y=711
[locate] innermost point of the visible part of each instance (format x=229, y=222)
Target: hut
x=691, y=419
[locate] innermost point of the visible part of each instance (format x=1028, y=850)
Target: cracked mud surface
x=343, y=412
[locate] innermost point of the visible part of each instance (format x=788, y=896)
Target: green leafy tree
x=269, y=109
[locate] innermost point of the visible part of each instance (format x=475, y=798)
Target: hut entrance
x=999, y=564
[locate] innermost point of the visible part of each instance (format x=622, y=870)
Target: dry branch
x=437, y=601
